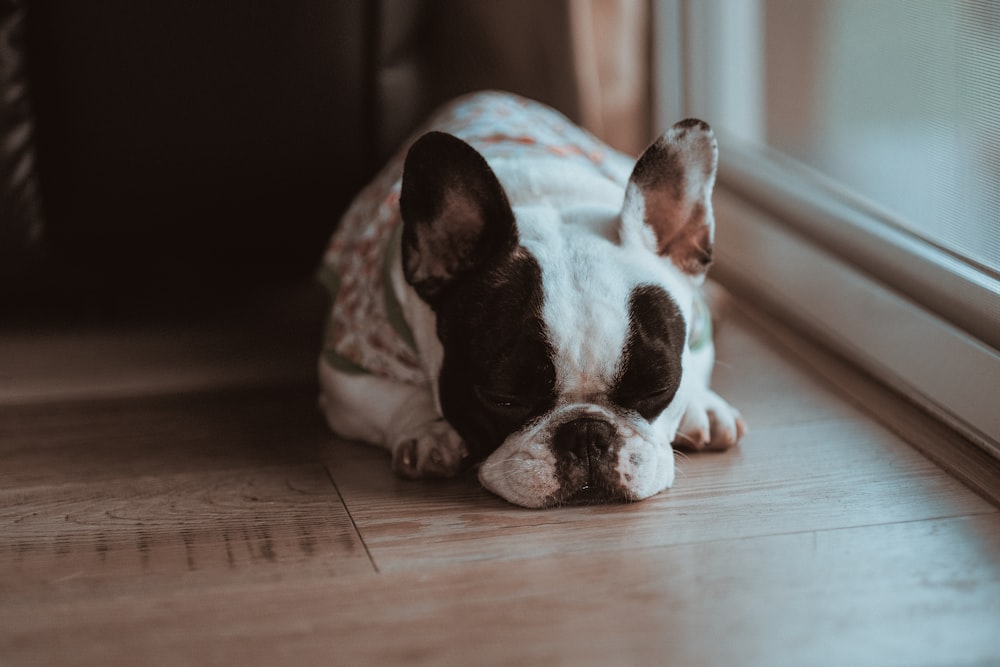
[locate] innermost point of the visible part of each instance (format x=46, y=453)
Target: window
x=859, y=184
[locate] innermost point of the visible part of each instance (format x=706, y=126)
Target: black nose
x=586, y=438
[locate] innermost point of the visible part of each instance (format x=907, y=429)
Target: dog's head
x=563, y=325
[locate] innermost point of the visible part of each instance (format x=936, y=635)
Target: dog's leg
x=709, y=421
x=400, y=417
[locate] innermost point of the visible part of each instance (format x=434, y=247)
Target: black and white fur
x=551, y=309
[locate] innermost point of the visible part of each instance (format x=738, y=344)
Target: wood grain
x=270, y=339
x=787, y=480
x=832, y=468
x=193, y=527
x=200, y=517
x=197, y=431
x=971, y=464
x=918, y=593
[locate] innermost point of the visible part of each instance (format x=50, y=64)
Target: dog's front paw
x=435, y=450
x=710, y=423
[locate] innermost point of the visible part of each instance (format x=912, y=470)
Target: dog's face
x=564, y=328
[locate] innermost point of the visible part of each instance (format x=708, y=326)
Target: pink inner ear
x=674, y=178
x=690, y=247
x=455, y=213
x=463, y=230
x=442, y=249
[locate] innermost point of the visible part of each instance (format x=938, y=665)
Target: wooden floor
x=169, y=495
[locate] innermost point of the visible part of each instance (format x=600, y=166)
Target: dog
x=511, y=293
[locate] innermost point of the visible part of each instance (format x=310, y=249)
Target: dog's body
x=539, y=309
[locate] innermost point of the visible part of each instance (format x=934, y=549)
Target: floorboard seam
x=354, y=523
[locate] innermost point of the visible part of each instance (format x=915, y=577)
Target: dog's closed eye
x=506, y=404
x=649, y=401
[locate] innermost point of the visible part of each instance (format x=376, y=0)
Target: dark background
x=188, y=151
x=193, y=144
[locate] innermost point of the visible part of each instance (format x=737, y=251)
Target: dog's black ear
x=456, y=217
x=668, y=200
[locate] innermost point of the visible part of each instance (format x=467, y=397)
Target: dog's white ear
x=668, y=200
x=456, y=217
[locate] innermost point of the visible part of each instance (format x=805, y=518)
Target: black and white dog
x=516, y=294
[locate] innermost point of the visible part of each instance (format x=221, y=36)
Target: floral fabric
x=365, y=331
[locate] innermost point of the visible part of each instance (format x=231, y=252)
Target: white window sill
x=944, y=370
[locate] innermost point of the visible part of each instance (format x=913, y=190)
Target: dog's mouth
x=592, y=494
x=595, y=492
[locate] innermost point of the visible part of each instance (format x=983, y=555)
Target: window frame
x=888, y=297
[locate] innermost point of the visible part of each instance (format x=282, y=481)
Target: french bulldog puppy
x=513, y=293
